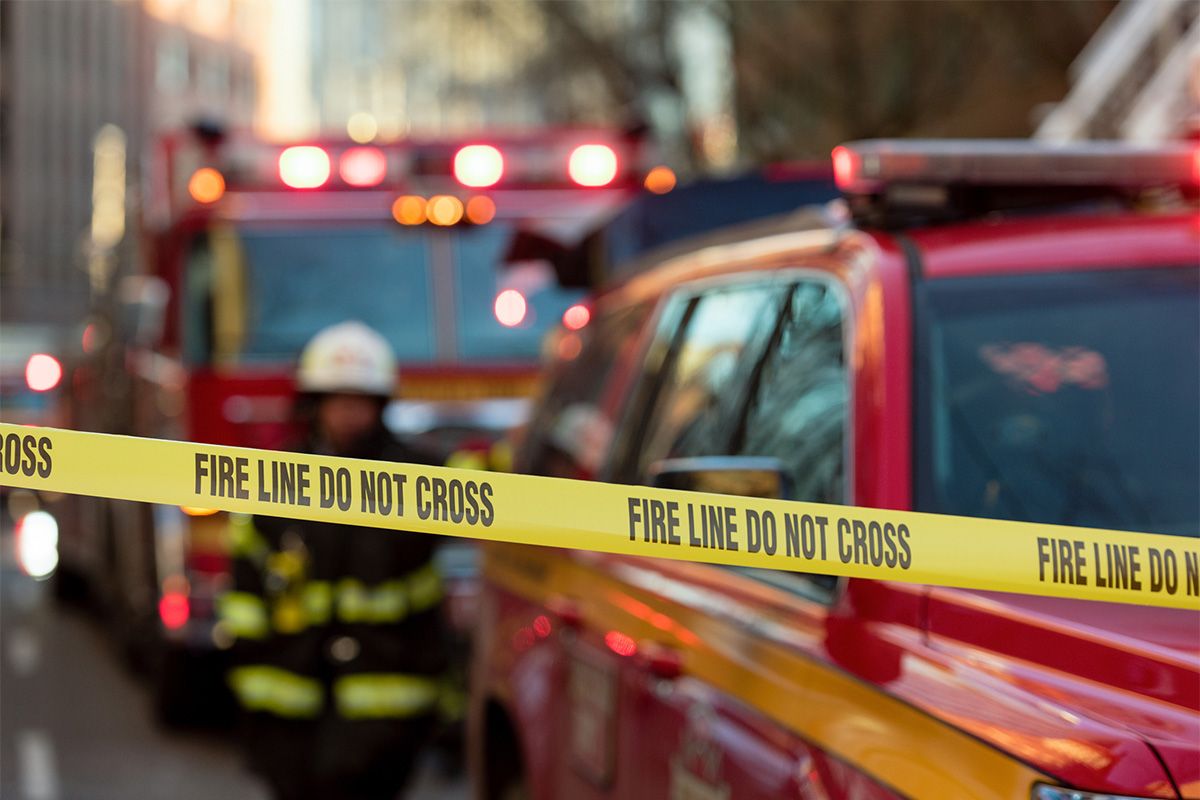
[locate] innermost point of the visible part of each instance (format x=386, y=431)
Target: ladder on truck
x=1138, y=79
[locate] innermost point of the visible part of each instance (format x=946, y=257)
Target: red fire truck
x=1004, y=331
x=248, y=249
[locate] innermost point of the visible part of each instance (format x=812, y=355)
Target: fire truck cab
x=997, y=330
x=248, y=249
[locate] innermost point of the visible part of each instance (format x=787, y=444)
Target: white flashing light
x=42, y=372
x=510, y=308
x=304, y=167
x=37, y=544
x=478, y=166
x=592, y=165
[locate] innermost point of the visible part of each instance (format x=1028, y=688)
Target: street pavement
x=76, y=725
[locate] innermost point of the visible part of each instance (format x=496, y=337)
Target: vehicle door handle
x=567, y=610
x=660, y=660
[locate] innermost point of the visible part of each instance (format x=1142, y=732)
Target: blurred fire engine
x=248, y=249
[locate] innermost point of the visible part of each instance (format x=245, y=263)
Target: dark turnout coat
x=339, y=648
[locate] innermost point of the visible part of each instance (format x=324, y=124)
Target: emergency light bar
x=888, y=180
x=196, y=170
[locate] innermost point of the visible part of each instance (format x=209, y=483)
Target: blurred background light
x=409, y=209
x=304, y=167
x=444, y=209
x=37, y=544
x=481, y=210
x=478, y=166
x=576, y=317
x=173, y=610
x=510, y=308
x=660, y=180
x=592, y=165
x=362, y=127
x=206, y=185
x=42, y=372
x=363, y=166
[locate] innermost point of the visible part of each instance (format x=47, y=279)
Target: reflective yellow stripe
x=244, y=614
x=389, y=601
x=918, y=754
x=262, y=688
x=424, y=588
x=467, y=459
x=287, y=565
x=244, y=539
x=452, y=702
x=318, y=602
x=352, y=601
x=381, y=695
x=288, y=614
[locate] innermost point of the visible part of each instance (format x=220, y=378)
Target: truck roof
x=1056, y=243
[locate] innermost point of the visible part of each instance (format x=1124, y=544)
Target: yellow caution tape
x=1050, y=560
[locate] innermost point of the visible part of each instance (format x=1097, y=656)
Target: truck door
x=757, y=369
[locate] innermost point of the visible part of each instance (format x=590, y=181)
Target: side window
x=703, y=383
x=797, y=412
x=759, y=370
x=797, y=409
x=575, y=421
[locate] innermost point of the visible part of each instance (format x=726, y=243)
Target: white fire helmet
x=347, y=357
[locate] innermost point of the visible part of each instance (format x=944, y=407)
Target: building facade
x=85, y=85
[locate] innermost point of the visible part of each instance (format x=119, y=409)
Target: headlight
x=1043, y=792
x=37, y=544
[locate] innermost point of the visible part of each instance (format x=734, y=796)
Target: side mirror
x=142, y=308
x=745, y=476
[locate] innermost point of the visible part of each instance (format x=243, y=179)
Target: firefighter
x=339, y=642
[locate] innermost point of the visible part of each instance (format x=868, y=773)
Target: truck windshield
x=256, y=294
x=1070, y=399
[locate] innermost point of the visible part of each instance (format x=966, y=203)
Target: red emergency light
x=869, y=167
x=903, y=183
x=190, y=172
x=845, y=166
x=363, y=166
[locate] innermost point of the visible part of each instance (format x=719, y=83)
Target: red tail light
x=304, y=167
x=620, y=643
x=576, y=317
x=592, y=165
x=363, y=166
x=844, y=166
